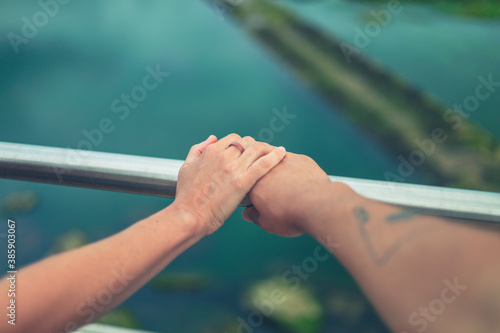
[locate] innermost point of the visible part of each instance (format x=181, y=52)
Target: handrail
x=158, y=177
x=102, y=328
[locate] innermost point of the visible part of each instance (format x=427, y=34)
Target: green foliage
x=486, y=9
x=71, y=240
x=296, y=310
x=19, y=202
x=120, y=317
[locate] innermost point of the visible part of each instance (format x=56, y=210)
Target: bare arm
x=68, y=290
x=422, y=273
x=65, y=291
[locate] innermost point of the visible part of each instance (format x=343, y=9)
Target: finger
x=265, y=163
x=245, y=142
x=198, y=149
x=255, y=151
x=223, y=143
x=250, y=214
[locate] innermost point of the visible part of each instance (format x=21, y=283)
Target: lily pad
x=120, y=317
x=69, y=241
x=19, y=202
x=293, y=308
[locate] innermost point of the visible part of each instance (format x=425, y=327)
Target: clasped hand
x=217, y=175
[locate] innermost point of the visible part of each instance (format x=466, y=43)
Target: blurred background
x=353, y=84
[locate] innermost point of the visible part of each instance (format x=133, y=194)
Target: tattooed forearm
x=361, y=215
x=402, y=216
x=385, y=252
x=362, y=218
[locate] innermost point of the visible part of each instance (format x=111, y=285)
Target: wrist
x=329, y=207
x=187, y=218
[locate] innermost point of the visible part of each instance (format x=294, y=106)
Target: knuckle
x=223, y=159
x=265, y=163
x=194, y=147
x=210, y=149
x=229, y=168
x=260, y=146
x=234, y=136
x=249, y=139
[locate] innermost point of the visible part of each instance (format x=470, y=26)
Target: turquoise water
x=438, y=52
x=64, y=80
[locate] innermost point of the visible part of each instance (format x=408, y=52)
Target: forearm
x=406, y=262
x=74, y=288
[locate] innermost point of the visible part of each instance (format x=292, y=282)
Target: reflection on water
x=422, y=131
x=62, y=84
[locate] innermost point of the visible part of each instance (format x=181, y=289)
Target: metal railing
x=158, y=177
x=100, y=328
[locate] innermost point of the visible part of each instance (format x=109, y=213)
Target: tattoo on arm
x=361, y=215
x=402, y=216
x=363, y=218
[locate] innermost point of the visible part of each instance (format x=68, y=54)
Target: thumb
x=198, y=149
x=250, y=214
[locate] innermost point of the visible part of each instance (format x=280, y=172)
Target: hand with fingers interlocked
x=217, y=174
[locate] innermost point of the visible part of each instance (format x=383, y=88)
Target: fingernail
x=282, y=149
x=245, y=216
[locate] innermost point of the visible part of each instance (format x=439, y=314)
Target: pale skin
x=68, y=290
x=400, y=259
